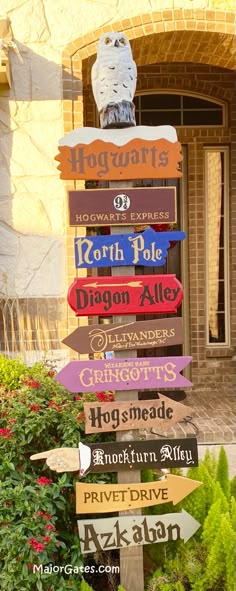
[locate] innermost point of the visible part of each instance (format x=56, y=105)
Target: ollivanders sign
x=143, y=294
x=147, y=249
x=160, y=413
x=158, y=453
x=131, y=335
x=102, y=207
x=124, y=374
x=98, y=535
x=130, y=153
x=107, y=498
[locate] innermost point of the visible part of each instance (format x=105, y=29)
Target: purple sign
x=124, y=374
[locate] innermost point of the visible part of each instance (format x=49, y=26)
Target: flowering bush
x=37, y=506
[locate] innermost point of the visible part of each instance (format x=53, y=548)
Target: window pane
x=215, y=247
x=161, y=101
x=191, y=102
x=209, y=117
x=161, y=118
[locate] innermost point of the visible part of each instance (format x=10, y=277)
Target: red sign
x=140, y=294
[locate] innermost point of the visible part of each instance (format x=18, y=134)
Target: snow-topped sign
x=140, y=152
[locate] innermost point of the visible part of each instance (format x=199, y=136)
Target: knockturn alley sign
x=113, y=207
x=140, y=152
x=140, y=294
x=131, y=335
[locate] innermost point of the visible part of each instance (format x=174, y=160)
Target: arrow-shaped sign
x=107, y=498
x=124, y=374
x=97, y=535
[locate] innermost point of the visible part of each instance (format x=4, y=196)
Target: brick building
x=185, y=53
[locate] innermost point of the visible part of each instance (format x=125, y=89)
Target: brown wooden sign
x=131, y=335
x=140, y=152
x=98, y=535
x=113, y=207
x=160, y=413
x=107, y=498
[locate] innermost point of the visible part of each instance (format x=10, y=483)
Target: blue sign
x=148, y=248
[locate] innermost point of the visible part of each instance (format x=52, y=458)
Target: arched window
x=178, y=110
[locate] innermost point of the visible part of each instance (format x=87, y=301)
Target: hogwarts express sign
x=140, y=294
x=102, y=207
x=131, y=335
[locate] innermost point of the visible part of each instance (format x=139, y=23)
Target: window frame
x=226, y=344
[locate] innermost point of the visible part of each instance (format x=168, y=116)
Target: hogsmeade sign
x=124, y=374
x=97, y=498
x=131, y=153
x=143, y=294
x=97, y=535
x=147, y=249
x=102, y=207
x=160, y=413
x=131, y=335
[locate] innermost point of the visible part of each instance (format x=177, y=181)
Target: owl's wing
x=134, y=81
x=95, y=82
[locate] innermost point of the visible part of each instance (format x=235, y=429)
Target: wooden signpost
x=160, y=413
x=147, y=249
x=105, y=534
x=128, y=374
x=108, y=498
x=131, y=335
x=140, y=152
x=122, y=207
x=143, y=294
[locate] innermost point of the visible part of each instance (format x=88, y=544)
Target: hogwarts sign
x=124, y=374
x=131, y=335
x=147, y=249
x=102, y=207
x=107, y=498
x=143, y=294
x=97, y=535
x=131, y=153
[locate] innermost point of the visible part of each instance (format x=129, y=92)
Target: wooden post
x=131, y=559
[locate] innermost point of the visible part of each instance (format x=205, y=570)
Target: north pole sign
x=124, y=374
x=131, y=335
x=140, y=152
x=161, y=413
x=141, y=294
x=147, y=249
x=113, y=207
x=98, y=535
x=107, y=498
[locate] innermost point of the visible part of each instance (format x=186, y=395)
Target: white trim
x=225, y=151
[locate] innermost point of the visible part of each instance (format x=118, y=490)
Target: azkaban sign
x=143, y=294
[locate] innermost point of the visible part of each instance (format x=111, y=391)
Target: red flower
x=51, y=373
x=44, y=481
x=80, y=417
x=12, y=421
x=33, y=384
x=36, y=545
x=35, y=407
x=22, y=400
x=6, y=433
x=42, y=514
x=50, y=527
x=46, y=539
x=59, y=408
x=52, y=403
x=4, y=414
x=77, y=397
x=105, y=396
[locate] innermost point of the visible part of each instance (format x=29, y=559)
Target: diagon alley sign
x=126, y=455
x=160, y=413
x=147, y=249
x=97, y=535
x=124, y=374
x=131, y=335
x=107, y=498
x=143, y=294
x=110, y=207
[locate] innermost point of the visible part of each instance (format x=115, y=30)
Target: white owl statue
x=114, y=77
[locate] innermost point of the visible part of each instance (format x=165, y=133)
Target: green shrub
x=222, y=473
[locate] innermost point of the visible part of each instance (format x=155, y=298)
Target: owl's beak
x=116, y=44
